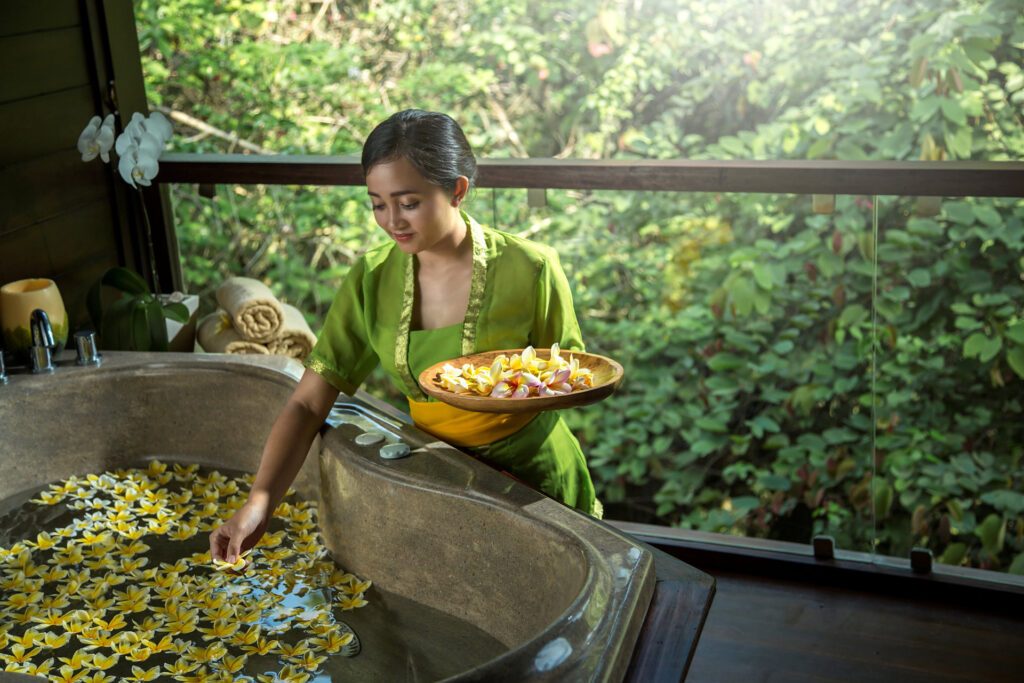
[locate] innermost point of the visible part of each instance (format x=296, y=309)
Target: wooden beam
x=912, y=178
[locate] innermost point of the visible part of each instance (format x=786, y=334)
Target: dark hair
x=432, y=142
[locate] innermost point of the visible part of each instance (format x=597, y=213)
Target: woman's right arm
x=283, y=455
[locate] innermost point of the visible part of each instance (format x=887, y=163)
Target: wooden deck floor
x=765, y=629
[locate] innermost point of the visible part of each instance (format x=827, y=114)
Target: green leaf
x=953, y=111
x=742, y=296
x=1005, y=500
x=919, y=277
x=987, y=215
x=953, y=554
x=925, y=108
x=959, y=212
x=882, y=494
x=177, y=312
x=710, y=424
x=774, y=482
x=853, y=314
x=982, y=346
x=959, y=143
x=128, y=281
x=725, y=361
x=992, y=533
x=1015, y=358
x=1017, y=566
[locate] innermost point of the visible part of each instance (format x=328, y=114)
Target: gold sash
x=465, y=427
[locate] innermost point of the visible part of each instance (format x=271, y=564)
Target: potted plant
x=137, y=320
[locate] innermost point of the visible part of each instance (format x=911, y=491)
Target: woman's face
x=417, y=214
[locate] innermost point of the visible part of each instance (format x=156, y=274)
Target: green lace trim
x=477, y=285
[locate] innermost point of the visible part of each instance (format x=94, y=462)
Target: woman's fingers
x=219, y=541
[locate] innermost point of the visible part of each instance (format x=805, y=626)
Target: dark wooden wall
x=60, y=217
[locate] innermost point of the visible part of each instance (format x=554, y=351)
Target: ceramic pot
x=17, y=301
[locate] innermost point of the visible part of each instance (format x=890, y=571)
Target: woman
x=442, y=287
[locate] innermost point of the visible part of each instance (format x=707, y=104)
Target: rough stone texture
x=566, y=594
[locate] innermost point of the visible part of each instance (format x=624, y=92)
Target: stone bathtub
x=545, y=593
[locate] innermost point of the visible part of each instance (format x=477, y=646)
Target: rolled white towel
x=217, y=335
x=256, y=314
x=295, y=338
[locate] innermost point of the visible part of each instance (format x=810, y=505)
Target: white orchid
x=97, y=138
x=139, y=146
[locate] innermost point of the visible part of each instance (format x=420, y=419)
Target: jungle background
x=857, y=372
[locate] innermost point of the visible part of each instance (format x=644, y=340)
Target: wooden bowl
x=607, y=376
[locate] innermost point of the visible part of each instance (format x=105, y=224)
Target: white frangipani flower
x=97, y=138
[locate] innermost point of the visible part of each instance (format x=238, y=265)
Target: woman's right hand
x=239, y=533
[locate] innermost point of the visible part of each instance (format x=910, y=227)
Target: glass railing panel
x=950, y=381
x=744, y=325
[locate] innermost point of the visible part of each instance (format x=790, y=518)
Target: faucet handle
x=85, y=343
x=42, y=331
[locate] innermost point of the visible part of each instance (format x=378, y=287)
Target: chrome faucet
x=42, y=342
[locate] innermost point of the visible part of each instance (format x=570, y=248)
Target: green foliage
x=135, y=320
x=787, y=373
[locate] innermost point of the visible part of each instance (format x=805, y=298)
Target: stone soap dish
x=394, y=451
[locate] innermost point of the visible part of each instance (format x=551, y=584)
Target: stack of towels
x=251, y=320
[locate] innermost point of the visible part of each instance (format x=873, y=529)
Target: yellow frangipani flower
x=100, y=604
x=139, y=654
x=50, y=617
x=247, y=637
x=126, y=643
x=97, y=677
x=140, y=674
x=291, y=650
x=232, y=664
x=115, y=622
x=311, y=661
x=54, y=641
x=225, y=611
x=351, y=602
x=20, y=654
x=165, y=644
x=20, y=601
x=180, y=667
x=357, y=587
x=261, y=647
x=48, y=498
x=292, y=675
x=67, y=675
x=332, y=642
x=104, y=662
x=40, y=669
x=44, y=541
x=199, y=676
x=220, y=628
x=96, y=638
x=210, y=653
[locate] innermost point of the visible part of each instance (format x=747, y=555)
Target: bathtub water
x=287, y=589
x=474, y=577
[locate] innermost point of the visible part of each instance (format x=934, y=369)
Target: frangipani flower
x=97, y=138
x=524, y=374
